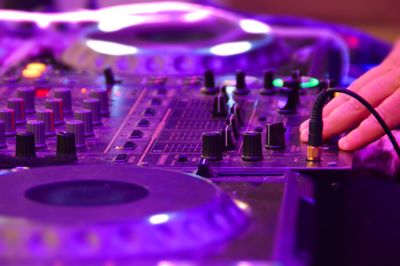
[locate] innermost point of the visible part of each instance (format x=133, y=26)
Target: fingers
x=350, y=113
x=370, y=130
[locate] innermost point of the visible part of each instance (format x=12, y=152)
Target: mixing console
x=104, y=111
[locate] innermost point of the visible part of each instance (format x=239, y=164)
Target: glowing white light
x=159, y=218
x=254, y=26
x=111, y=48
x=230, y=48
x=242, y=205
x=196, y=16
x=109, y=25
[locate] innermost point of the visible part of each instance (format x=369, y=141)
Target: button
x=149, y=112
x=129, y=145
x=136, y=134
x=93, y=105
x=65, y=95
x=123, y=157
x=85, y=115
x=46, y=115
x=156, y=101
x=212, y=146
x=182, y=158
x=25, y=145
x=28, y=94
x=37, y=127
x=77, y=128
x=143, y=123
x=17, y=104
x=7, y=115
x=55, y=105
x=66, y=144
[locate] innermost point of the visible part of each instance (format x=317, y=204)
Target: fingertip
x=303, y=125
x=304, y=136
x=344, y=144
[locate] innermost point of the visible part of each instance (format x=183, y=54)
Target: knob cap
x=288, y=101
x=65, y=95
x=252, y=146
x=25, y=145
x=28, y=94
x=2, y=135
x=227, y=139
x=66, y=144
x=219, y=106
x=268, y=88
x=18, y=105
x=241, y=86
x=77, y=128
x=212, y=146
x=47, y=116
x=275, y=136
x=85, y=115
x=7, y=115
x=93, y=105
x=37, y=127
x=102, y=96
x=209, y=83
x=204, y=169
x=55, y=105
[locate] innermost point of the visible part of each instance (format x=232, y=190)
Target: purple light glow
x=111, y=48
x=230, y=48
x=254, y=26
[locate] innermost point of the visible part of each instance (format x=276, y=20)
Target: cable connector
x=313, y=153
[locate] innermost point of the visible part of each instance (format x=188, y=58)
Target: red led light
x=41, y=92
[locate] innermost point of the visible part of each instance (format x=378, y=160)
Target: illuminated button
x=36, y=66
x=28, y=94
x=129, y=145
x=18, y=105
x=31, y=73
x=136, y=134
x=123, y=157
x=143, y=123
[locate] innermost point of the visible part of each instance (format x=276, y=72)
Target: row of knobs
x=290, y=91
x=52, y=115
x=216, y=142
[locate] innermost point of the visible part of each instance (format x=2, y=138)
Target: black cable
x=316, y=123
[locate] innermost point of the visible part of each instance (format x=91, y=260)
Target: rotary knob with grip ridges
x=18, y=105
x=65, y=95
x=28, y=94
x=252, y=146
x=275, y=136
x=66, y=144
x=212, y=146
x=25, y=144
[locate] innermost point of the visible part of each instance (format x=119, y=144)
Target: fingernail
x=343, y=143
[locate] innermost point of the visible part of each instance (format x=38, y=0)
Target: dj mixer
x=165, y=134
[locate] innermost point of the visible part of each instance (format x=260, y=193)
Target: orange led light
x=36, y=66
x=31, y=73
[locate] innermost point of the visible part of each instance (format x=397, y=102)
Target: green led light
x=278, y=83
x=309, y=83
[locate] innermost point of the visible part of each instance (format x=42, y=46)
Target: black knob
x=268, y=88
x=209, y=83
x=275, y=136
x=294, y=83
x=109, y=76
x=237, y=111
x=66, y=144
x=252, y=146
x=241, y=86
x=288, y=101
x=212, y=146
x=232, y=121
x=204, y=169
x=219, y=106
x=227, y=139
x=25, y=145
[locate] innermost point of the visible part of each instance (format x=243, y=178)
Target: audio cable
x=316, y=123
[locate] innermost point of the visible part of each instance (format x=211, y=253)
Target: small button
x=129, y=145
x=144, y=123
x=136, y=134
x=156, y=101
x=123, y=157
x=150, y=112
x=182, y=158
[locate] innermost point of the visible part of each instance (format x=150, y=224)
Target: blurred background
x=378, y=17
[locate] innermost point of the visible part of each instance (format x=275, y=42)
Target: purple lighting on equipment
x=230, y=48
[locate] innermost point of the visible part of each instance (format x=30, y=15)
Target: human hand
x=381, y=88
